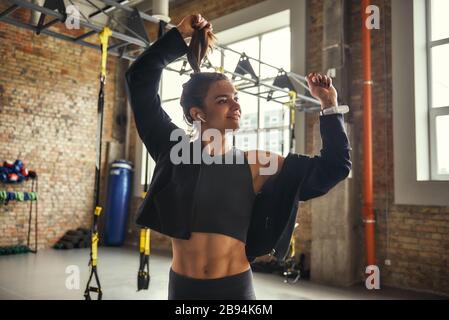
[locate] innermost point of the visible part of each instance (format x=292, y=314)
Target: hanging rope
x=104, y=38
x=292, y=107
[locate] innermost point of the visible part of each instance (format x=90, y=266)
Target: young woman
x=206, y=208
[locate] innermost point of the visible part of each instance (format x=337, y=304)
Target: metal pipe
x=115, y=34
x=48, y=32
x=8, y=11
x=260, y=83
x=86, y=35
x=123, y=37
x=169, y=25
x=129, y=9
x=368, y=213
x=95, y=29
x=223, y=47
x=107, y=9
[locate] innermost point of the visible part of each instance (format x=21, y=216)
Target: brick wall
x=48, y=116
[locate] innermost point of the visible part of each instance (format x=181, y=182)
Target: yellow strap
x=143, y=195
x=104, y=39
x=95, y=240
x=97, y=211
x=147, y=242
x=220, y=69
x=94, y=249
x=293, y=247
x=144, y=244
x=142, y=240
x=292, y=104
x=292, y=117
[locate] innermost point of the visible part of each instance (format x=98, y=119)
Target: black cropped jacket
x=168, y=205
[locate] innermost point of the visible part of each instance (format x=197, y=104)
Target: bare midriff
x=209, y=256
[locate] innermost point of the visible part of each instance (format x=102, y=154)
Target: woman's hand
x=192, y=22
x=322, y=89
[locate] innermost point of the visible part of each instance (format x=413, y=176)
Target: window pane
x=248, y=105
x=287, y=142
x=440, y=79
x=151, y=165
x=215, y=59
x=273, y=114
x=272, y=140
x=275, y=50
x=172, y=81
x=250, y=47
x=246, y=140
x=442, y=128
x=174, y=110
x=440, y=22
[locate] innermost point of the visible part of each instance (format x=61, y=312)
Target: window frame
x=412, y=181
x=433, y=112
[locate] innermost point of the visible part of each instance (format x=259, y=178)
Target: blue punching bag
x=119, y=191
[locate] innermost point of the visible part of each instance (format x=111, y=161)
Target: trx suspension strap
x=292, y=106
x=143, y=275
x=290, y=267
x=104, y=37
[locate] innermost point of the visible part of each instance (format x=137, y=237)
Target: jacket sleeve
x=142, y=85
x=315, y=176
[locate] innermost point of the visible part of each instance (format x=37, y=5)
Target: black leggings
x=235, y=287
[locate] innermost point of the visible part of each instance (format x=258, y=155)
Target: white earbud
x=201, y=118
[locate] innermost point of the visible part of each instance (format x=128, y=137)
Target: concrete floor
x=43, y=276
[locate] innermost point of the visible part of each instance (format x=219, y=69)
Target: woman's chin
x=234, y=124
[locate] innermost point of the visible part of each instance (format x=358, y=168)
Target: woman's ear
x=197, y=114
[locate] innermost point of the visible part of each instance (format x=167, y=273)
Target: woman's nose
x=235, y=105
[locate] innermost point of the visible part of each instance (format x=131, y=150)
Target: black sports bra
x=225, y=196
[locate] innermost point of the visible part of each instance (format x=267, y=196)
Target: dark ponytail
x=195, y=90
x=202, y=41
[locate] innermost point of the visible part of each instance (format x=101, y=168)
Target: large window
x=264, y=124
x=438, y=80
x=418, y=97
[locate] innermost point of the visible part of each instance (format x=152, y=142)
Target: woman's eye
x=221, y=101
x=236, y=98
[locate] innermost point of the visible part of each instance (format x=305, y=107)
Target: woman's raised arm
x=142, y=85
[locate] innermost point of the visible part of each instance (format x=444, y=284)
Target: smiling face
x=221, y=108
